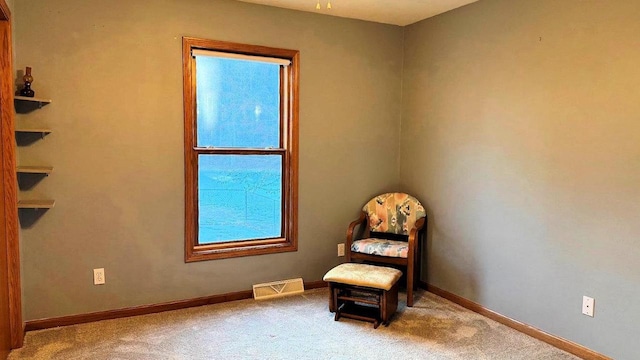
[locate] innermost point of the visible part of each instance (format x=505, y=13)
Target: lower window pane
x=239, y=197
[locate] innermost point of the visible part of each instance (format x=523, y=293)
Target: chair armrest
x=413, y=234
x=362, y=219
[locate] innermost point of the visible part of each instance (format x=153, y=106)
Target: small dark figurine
x=28, y=79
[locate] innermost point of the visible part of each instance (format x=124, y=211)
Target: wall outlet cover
x=341, y=249
x=587, y=305
x=98, y=276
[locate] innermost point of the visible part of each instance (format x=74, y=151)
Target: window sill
x=232, y=250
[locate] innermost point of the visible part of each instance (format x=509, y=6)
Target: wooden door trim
x=5, y=14
x=9, y=180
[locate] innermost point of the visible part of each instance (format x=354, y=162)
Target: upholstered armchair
x=391, y=235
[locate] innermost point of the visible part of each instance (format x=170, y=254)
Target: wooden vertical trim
x=9, y=179
x=5, y=14
x=189, y=162
x=293, y=139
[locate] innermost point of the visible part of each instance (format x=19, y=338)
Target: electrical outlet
x=587, y=305
x=98, y=277
x=341, y=249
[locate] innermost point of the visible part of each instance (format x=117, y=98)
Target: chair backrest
x=394, y=213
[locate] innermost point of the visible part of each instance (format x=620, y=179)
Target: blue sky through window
x=238, y=103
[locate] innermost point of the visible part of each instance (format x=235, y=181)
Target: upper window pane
x=238, y=103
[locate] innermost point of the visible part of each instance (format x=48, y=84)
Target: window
x=241, y=149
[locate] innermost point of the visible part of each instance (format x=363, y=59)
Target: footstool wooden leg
x=384, y=310
x=333, y=298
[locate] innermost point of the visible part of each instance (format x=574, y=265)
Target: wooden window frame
x=288, y=150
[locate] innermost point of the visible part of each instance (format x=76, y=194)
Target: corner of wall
x=399, y=156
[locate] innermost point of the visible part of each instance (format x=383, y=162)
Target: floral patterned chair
x=393, y=222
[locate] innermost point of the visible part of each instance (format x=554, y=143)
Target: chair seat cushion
x=382, y=247
x=371, y=276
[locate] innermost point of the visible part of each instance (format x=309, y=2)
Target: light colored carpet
x=297, y=327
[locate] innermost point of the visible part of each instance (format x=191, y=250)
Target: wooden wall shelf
x=26, y=135
x=43, y=131
x=42, y=101
x=25, y=104
x=35, y=169
x=36, y=204
x=29, y=176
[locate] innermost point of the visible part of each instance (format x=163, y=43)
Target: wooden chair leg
x=410, y=273
x=418, y=262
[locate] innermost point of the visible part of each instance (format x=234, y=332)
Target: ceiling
x=396, y=12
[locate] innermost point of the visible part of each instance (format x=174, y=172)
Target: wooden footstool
x=363, y=292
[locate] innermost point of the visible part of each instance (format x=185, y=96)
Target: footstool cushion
x=371, y=276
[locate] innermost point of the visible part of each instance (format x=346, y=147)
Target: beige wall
x=521, y=133
x=114, y=72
